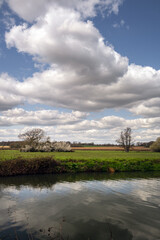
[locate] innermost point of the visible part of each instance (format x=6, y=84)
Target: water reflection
x=84, y=206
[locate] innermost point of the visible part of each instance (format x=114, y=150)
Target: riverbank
x=15, y=163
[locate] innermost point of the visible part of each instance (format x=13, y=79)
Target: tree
x=62, y=147
x=33, y=137
x=125, y=139
x=155, y=147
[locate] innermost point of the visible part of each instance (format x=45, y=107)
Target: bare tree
x=32, y=137
x=125, y=139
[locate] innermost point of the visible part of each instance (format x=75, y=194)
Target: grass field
x=13, y=162
x=82, y=155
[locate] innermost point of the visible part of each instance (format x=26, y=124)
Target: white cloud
x=9, y=134
x=31, y=10
x=9, y=95
x=1, y=2
x=150, y=108
x=9, y=22
x=69, y=89
x=69, y=44
x=121, y=24
x=19, y=116
x=85, y=74
x=118, y=25
x=76, y=126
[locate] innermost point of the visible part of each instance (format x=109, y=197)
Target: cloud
x=1, y=2
x=31, y=10
x=19, y=116
x=9, y=95
x=118, y=25
x=85, y=73
x=9, y=134
x=69, y=89
x=75, y=126
x=69, y=44
x=113, y=123
x=121, y=24
x=150, y=108
x=9, y=22
x=132, y=90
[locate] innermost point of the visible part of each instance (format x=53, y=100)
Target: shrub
x=45, y=147
x=26, y=148
x=48, y=147
x=62, y=147
x=155, y=147
x=24, y=166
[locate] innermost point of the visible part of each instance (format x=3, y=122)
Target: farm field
x=110, y=148
x=81, y=155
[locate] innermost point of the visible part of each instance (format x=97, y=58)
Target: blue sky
x=81, y=70
x=140, y=43
x=138, y=38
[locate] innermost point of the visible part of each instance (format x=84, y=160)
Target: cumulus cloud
x=9, y=95
x=31, y=10
x=85, y=73
x=106, y=130
x=69, y=90
x=91, y=135
x=19, y=116
x=69, y=44
x=8, y=134
x=114, y=123
x=150, y=108
x=76, y=125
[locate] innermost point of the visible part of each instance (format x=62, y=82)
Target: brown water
x=81, y=207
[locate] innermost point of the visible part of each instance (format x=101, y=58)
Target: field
x=82, y=155
x=109, y=148
x=13, y=162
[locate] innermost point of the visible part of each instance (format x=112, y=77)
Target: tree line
x=36, y=140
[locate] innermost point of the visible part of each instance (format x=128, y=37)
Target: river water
x=90, y=206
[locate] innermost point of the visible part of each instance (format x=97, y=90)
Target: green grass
x=17, y=163
x=82, y=155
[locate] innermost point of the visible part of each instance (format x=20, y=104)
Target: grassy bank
x=16, y=163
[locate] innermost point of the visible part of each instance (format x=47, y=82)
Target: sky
x=82, y=70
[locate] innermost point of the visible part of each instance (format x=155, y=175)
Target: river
x=89, y=206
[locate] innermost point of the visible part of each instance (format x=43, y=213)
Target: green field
x=82, y=155
x=14, y=162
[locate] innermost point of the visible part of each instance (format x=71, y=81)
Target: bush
x=48, y=147
x=27, y=148
x=25, y=166
x=155, y=147
x=62, y=147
